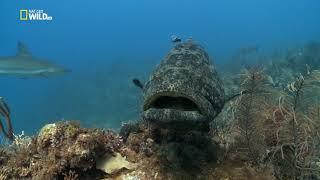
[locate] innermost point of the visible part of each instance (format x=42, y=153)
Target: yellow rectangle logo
x=23, y=14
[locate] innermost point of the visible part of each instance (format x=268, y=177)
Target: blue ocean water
x=107, y=43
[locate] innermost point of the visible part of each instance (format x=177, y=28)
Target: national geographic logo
x=34, y=15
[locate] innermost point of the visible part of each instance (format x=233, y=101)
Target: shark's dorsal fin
x=23, y=50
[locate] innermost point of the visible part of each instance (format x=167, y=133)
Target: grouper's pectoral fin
x=22, y=49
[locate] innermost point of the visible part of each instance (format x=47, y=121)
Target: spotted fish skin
x=184, y=88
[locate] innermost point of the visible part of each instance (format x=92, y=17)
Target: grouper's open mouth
x=181, y=103
x=168, y=107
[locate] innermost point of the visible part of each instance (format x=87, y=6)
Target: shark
x=26, y=65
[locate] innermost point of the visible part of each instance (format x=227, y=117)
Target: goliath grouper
x=184, y=90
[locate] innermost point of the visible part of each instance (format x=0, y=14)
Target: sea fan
x=295, y=125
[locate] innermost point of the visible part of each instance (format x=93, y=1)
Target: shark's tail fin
x=22, y=49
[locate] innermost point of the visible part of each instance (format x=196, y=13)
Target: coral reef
x=275, y=120
x=293, y=135
x=60, y=150
x=64, y=150
x=285, y=67
x=268, y=129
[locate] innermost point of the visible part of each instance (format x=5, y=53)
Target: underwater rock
x=127, y=128
x=140, y=143
x=79, y=153
x=62, y=149
x=46, y=132
x=113, y=164
x=130, y=154
x=184, y=89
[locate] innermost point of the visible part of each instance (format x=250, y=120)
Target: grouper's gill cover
x=184, y=88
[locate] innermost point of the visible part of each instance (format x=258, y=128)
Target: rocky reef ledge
x=65, y=150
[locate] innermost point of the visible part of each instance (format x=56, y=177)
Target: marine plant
x=293, y=137
x=249, y=116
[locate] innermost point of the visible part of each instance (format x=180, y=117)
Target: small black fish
x=137, y=82
x=175, y=39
